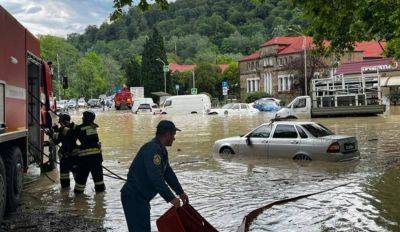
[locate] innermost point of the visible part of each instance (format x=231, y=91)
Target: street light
x=165, y=74
x=305, y=55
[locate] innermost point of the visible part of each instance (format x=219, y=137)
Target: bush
x=251, y=97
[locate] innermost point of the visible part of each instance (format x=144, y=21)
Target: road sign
x=224, y=84
x=225, y=91
x=165, y=68
x=177, y=87
x=193, y=91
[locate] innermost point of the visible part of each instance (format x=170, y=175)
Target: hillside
x=193, y=30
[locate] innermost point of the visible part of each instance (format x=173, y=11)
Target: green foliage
x=50, y=46
x=133, y=73
x=152, y=68
x=208, y=79
x=231, y=74
x=251, y=97
x=194, y=31
x=356, y=20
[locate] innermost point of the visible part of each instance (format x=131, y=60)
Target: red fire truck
x=123, y=99
x=26, y=100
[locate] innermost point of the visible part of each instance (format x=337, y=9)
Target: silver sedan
x=292, y=140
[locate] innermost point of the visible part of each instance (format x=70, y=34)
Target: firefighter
x=149, y=174
x=68, y=150
x=89, y=158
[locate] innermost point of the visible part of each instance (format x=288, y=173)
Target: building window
x=253, y=85
x=285, y=83
x=268, y=83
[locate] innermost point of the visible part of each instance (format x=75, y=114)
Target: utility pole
x=165, y=73
x=305, y=64
x=194, y=85
x=59, y=79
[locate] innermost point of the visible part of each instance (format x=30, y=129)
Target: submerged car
x=62, y=105
x=267, y=104
x=233, y=109
x=82, y=102
x=292, y=140
x=144, y=109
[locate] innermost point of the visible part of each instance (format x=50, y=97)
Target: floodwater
x=225, y=190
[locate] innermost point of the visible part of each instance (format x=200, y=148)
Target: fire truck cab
x=26, y=99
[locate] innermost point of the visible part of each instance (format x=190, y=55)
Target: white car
x=234, y=109
x=62, y=105
x=187, y=104
x=292, y=140
x=82, y=102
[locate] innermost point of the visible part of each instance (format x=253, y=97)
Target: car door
x=284, y=142
x=300, y=109
x=257, y=141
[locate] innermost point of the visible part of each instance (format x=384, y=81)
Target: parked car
x=187, y=104
x=138, y=101
x=267, y=104
x=293, y=140
x=144, y=109
x=62, y=105
x=94, y=103
x=234, y=108
x=72, y=104
x=82, y=103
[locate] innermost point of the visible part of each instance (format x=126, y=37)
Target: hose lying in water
x=249, y=218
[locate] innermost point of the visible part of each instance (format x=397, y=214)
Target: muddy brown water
x=225, y=190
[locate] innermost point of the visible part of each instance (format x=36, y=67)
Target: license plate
x=349, y=146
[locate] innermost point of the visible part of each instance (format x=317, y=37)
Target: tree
x=231, y=75
x=356, y=20
x=133, y=74
x=152, y=68
x=296, y=67
x=208, y=79
x=90, y=78
x=50, y=47
x=112, y=73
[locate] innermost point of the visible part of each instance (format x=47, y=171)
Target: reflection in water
x=225, y=189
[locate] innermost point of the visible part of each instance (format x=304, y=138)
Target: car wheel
x=193, y=112
x=302, y=157
x=226, y=112
x=13, y=162
x=226, y=151
x=3, y=189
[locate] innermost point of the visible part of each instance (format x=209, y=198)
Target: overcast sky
x=58, y=17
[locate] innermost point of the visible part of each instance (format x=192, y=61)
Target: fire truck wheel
x=13, y=161
x=3, y=189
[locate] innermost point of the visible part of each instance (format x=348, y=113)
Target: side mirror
x=65, y=82
x=248, y=140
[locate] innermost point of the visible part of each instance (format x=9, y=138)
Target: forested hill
x=193, y=30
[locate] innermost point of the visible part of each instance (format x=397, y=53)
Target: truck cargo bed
x=348, y=111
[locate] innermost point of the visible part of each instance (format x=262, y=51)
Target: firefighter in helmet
x=68, y=150
x=89, y=158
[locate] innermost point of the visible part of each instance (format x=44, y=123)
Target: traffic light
x=65, y=82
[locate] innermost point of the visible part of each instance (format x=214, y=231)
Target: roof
x=371, y=49
x=355, y=67
x=174, y=67
x=252, y=56
x=293, y=44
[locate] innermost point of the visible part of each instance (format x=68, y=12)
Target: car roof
x=291, y=122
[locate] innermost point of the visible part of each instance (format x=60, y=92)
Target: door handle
x=294, y=142
x=264, y=141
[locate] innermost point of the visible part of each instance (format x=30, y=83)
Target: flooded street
x=225, y=190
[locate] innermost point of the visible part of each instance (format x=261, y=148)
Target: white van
x=187, y=104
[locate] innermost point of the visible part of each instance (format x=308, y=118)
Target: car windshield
x=144, y=106
x=227, y=106
x=317, y=130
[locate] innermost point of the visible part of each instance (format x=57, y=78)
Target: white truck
x=338, y=96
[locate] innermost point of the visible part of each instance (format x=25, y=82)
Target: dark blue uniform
x=148, y=175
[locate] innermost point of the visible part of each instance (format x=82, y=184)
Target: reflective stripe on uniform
x=90, y=130
x=89, y=151
x=55, y=136
x=99, y=183
x=65, y=130
x=64, y=175
x=79, y=187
